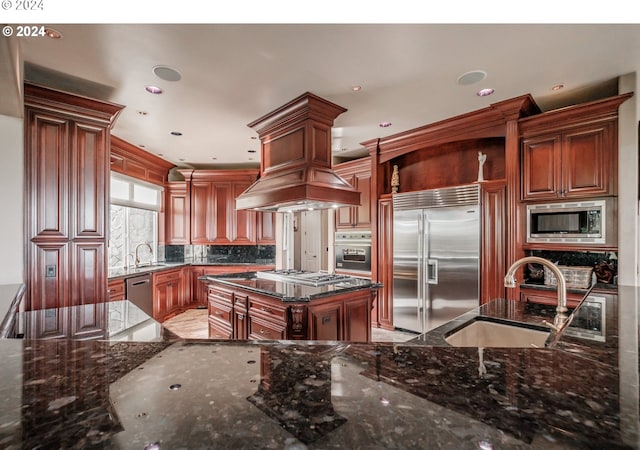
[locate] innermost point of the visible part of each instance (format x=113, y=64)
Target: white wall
x=12, y=200
x=628, y=239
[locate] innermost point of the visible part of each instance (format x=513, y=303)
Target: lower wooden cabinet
x=168, y=292
x=116, y=290
x=236, y=313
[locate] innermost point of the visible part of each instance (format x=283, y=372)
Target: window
x=134, y=220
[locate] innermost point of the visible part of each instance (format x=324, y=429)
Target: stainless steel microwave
x=579, y=222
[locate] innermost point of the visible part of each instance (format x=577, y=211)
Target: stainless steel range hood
x=296, y=160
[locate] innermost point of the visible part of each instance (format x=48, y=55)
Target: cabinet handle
x=326, y=319
x=240, y=316
x=218, y=313
x=267, y=310
x=262, y=331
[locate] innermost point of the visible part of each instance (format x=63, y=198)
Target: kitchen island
x=287, y=305
x=100, y=393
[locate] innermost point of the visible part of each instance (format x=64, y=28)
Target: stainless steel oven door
x=353, y=251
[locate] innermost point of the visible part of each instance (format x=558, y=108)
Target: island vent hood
x=296, y=160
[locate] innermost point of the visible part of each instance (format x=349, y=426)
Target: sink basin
x=485, y=333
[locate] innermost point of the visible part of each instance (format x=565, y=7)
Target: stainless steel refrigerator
x=436, y=248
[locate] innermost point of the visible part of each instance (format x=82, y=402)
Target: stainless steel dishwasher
x=140, y=292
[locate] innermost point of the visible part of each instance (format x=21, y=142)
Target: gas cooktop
x=303, y=277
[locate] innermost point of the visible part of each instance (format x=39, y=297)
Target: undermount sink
x=486, y=333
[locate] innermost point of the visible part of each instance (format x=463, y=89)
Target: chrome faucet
x=137, y=260
x=561, y=309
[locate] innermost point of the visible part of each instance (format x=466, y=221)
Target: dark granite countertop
x=126, y=272
x=289, y=291
x=67, y=393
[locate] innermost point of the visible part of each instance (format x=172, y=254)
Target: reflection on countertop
x=179, y=393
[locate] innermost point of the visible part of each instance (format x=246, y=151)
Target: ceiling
x=234, y=74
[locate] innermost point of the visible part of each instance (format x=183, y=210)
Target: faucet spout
x=142, y=244
x=510, y=280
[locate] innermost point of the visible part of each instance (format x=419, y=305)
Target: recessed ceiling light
x=176, y=133
x=141, y=145
x=153, y=89
x=252, y=151
x=557, y=87
x=52, y=33
x=167, y=73
x=484, y=92
x=471, y=77
x=250, y=159
x=160, y=154
x=254, y=137
x=214, y=158
x=142, y=113
x=384, y=124
x=181, y=159
x=356, y=88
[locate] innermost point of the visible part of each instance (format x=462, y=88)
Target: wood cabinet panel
x=47, y=152
x=89, y=185
x=240, y=317
x=220, y=231
x=168, y=292
x=493, y=250
x=201, y=211
x=218, y=330
x=178, y=214
x=265, y=228
x=88, y=265
x=66, y=183
x=259, y=329
x=383, y=308
x=242, y=227
x=135, y=162
x=573, y=163
x=325, y=322
x=357, y=320
x=358, y=174
x=116, y=290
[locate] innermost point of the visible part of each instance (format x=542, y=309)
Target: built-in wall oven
x=353, y=251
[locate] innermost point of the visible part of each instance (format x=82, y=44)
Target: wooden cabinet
x=358, y=174
x=135, y=162
x=240, y=316
x=267, y=317
x=325, y=322
x=548, y=297
x=66, y=178
x=177, y=214
x=198, y=292
x=168, y=293
x=571, y=153
x=493, y=242
x=220, y=312
x=265, y=228
x=116, y=290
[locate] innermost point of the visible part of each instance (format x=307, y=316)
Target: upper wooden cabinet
x=575, y=163
x=130, y=160
x=571, y=152
x=204, y=204
x=358, y=174
x=67, y=140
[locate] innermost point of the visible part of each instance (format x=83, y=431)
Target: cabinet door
x=198, y=288
x=218, y=330
x=362, y=213
x=259, y=328
x=357, y=319
x=265, y=228
x=243, y=227
x=177, y=219
x=49, y=276
x=221, y=220
x=160, y=292
x=116, y=291
x=46, y=159
x=587, y=157
x=89, y=181
x=324, y=322
x=541, y=168
x=88, y=266
x=345, y=216
x=201, y=211
x=173, y=297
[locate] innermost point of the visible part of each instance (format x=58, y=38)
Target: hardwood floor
x=192, y=324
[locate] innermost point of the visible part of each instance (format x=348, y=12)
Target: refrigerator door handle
x=432, y=271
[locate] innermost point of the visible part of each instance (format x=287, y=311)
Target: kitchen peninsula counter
x=66, y=393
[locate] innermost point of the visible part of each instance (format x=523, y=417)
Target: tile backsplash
x=223, y=254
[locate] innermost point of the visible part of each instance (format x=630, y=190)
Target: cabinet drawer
x=220, y=312
x=116, y=290
x=262, y=329
x=240, y=301
x=216, y=293
x=166, y=277
x=268, y=310
x=219, y=331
